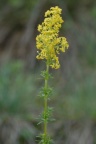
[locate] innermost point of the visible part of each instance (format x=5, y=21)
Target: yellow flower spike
x=48, y=43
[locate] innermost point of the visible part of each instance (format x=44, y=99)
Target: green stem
x=45, y=103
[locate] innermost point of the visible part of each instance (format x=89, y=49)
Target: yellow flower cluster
x=48, y=42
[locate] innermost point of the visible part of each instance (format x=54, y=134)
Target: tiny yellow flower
x=48, y=42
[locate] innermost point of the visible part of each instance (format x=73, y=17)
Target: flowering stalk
x=45, y=102
x=46, y=107
x=49, y=45
x=45, y=116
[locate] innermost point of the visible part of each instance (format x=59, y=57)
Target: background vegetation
x=74, y=98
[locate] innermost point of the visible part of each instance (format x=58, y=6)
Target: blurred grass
x=82, y=102
x=76, y=100
x=17, y=89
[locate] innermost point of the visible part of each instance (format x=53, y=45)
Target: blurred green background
x=74, y=97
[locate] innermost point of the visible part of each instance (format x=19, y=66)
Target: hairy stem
x=45, y=103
